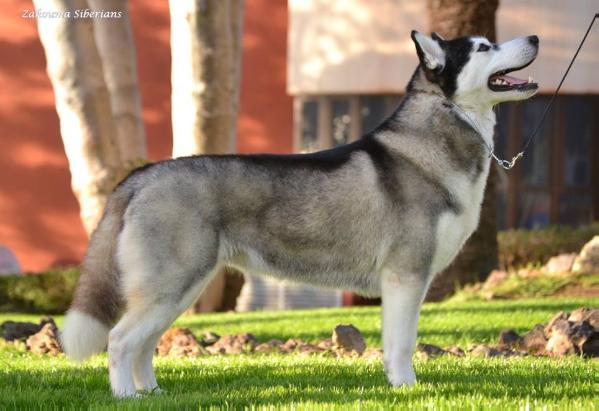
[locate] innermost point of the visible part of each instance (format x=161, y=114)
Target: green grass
x=293, y=381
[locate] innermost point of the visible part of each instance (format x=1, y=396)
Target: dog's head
x=472, y=70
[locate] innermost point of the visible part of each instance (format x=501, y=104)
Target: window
x=329, y=121
x=555, y=182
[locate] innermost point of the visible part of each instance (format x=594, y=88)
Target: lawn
x=294, y=381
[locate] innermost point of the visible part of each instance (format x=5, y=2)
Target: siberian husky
x=380, y=216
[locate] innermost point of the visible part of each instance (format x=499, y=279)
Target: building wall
x=353, y=47
x=39, y=215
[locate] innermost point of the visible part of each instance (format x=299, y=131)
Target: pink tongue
x=512, y=80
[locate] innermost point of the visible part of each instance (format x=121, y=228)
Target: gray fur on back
x=334, y=218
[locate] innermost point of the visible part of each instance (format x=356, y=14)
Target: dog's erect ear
x=430, y=52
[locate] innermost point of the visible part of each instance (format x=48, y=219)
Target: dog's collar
x=476, y=127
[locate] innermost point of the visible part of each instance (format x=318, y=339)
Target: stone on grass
x=556, y=321
x=209, y=338
x=269, y=347
x=561, y=263
x=326, y=344
x=373, y=354
x=590, y=347
x=535, y=340
x=234, y=344
x=179, y=342
x=428, y=351
x=45, y=341
x=509, y=339
x=483, y=350
x=13, y=330
x=348, y=338
x=588, y=259
x=586, y=314
x=308, y=349
x=455, y=350
x=291, y=344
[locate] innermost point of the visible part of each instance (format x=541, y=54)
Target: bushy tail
x=97, y=300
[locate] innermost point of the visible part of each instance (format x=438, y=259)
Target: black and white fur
x=380, y=216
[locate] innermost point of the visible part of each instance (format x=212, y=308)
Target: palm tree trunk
x=454, y=18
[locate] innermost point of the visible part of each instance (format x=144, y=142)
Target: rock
x=535, y=339
x=509, y=339
x=326, y=344
x=588, y=259
x=12, y=330
x=590, y=347
x=428, y=351
x=308, y=349
x=209, y=338
x=484, y=350
x=455, y=350
x=496, y=277
x=348, y=338
x=557, y=319
x=179, y=342
x=291, y=344
x=45, y=341
x=560, y=263
x=580, y=333
x=586, y=314
x=560, y=344
x=234, y=344
x=373, y=354
x=269, y=347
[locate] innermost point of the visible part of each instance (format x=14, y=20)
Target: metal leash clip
x=508, y=164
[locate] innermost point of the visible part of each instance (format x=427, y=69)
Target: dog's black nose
x=534, y=40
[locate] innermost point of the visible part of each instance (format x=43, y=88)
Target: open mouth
x=500, y=81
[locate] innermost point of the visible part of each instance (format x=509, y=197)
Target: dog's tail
x=98, y=300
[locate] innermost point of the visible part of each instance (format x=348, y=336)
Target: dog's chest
x=453, y=229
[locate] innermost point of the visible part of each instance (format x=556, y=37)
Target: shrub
x=50, y=292
x=518, y=248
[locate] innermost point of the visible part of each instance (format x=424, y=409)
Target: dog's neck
x=478, y=115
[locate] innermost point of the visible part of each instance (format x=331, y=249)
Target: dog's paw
x=157, y=391
x=401, y=376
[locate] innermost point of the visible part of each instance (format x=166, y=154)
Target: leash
x=510, y=164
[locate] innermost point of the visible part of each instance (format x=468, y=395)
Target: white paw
x=401, y=376
x=150, y=391
x=125, y=393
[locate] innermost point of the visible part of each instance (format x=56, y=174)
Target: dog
x=380, y=216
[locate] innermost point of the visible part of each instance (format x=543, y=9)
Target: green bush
x=50, y=292
x=518, y=248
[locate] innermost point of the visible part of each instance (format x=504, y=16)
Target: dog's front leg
x=402, y=298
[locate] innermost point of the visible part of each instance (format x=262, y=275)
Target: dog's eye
x=483, y=47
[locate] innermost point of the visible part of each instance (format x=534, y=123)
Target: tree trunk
x=454, y=18
x=206, y=58
x=114, y=40
x=83, y=104
x=206, y=53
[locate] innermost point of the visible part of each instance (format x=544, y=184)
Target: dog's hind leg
x=127, y=339
x=143, y=370
x=402, y=298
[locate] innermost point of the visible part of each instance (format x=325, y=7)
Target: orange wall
x=39, y=216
